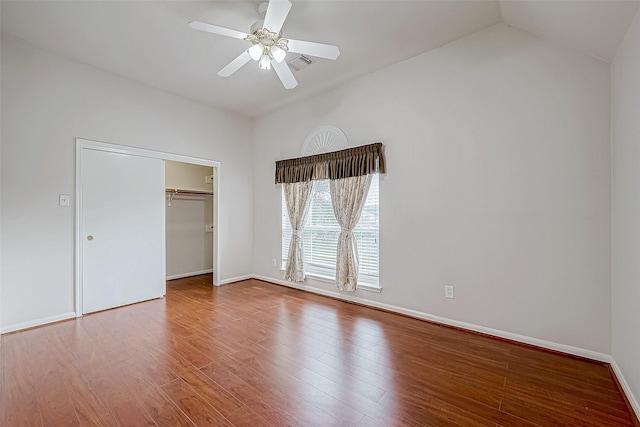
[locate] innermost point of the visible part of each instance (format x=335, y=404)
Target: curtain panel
x=297, y=196
x=348, y=196
x=356, y=161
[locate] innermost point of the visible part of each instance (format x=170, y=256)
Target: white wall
x=626, y=209
x=189, y=247
x=498, y=159
x=48, y=101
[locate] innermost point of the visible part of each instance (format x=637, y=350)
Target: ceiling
x=149, y=41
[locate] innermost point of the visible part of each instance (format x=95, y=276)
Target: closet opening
x=190, y=230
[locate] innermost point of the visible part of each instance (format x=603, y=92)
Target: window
x=321, y=235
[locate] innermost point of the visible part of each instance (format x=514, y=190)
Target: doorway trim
x=82, y=144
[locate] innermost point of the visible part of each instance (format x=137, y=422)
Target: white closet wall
x=187, y=176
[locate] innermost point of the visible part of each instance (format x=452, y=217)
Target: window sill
x=368, y=288
x=359, y=287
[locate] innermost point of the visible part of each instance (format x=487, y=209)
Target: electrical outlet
x=273, y=262
x=448, y=291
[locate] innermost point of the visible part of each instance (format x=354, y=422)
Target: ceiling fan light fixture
x=265, y=62
x=278, y=54
x=267, y=44
x=256, y=51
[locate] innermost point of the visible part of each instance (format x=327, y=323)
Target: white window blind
x=321, y=235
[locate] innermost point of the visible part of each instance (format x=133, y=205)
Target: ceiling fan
x=269, y=48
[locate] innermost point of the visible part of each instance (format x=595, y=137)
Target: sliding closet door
x=122, y=229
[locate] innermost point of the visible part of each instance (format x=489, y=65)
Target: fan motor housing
x=256, y=26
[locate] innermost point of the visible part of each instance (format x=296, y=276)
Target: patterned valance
x=347, y=163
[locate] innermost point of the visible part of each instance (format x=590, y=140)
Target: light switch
x=64, y=200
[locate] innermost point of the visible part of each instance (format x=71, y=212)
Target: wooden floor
x=256, y=354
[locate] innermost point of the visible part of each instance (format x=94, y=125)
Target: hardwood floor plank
x=291, y=394
x=266, y=406
x=345, y=380
x=194, y=406
x=55, y=403
x=378, y=412
x=89, y=406
x=20, y=396
x=20, y=400
x=546, y=417
x=245, y=416
x=572, y=396
x=590, y=411
x=578, y=380
x=221, y=400
x=160, y=407
x=117, y=395
x=269, y=402
x=256, y=354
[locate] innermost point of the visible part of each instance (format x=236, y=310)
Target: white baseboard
x=236, y=279
x=37, y=322
x=193, y=273
x=589, y=354
x=625, y=387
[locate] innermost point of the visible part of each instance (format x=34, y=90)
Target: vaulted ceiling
x=150, y=42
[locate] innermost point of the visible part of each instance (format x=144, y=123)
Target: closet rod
x=178, y=191
x=173, y=192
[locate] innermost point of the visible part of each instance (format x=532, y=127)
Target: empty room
x=320, y=213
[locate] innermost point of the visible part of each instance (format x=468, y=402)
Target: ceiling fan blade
x=314, y=49
x=235, y=65
x=276, y=14
x=197, y=25
x=284, y=73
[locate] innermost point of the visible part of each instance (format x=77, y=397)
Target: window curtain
x=297, y=197
x=356, y=161
x=348, y=196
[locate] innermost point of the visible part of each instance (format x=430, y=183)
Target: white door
x=122, y=229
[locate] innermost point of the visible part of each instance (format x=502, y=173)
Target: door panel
x=123, y=229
